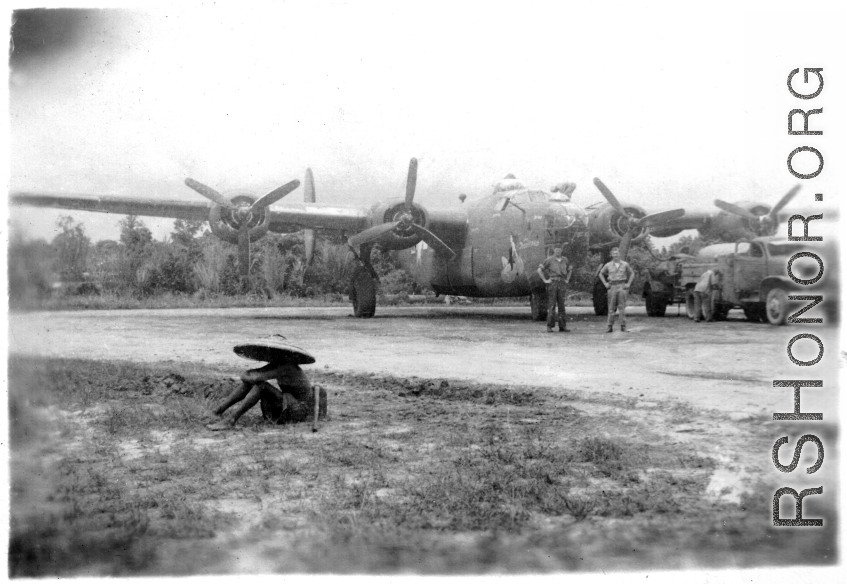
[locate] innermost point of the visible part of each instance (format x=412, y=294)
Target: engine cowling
x=729, y=227
x=606, y=224
x=225, y=223
x=393, y=210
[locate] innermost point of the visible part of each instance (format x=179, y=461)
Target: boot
x=623, y=328
x=609, y=329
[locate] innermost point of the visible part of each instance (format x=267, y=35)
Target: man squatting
x=555, y=271
x=293, y=401
x=620, y=276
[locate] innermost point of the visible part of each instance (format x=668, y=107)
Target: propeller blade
x=244, y=250
x=623, y=246
x=309, y=187
x=209, y=193
x=660, y=217
x=309, y=234
x=411, y=181
x=432, y=241
x=735, y=210
x=786, y=198
x=274, y=196
x=607, y=194
x=371, y=234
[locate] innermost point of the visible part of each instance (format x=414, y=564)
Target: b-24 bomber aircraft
x=490, y=247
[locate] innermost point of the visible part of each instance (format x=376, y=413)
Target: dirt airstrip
x=460, y=440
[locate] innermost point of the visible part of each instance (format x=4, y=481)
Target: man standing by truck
x=703, y=295
x=617, y=277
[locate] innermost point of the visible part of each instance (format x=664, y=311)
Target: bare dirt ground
x=460, y=440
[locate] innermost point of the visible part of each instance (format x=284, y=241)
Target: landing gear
x=363, y=283
x=719, y=309
x=363, y=293
x=538, y=304
x=656, y=303
x=600, y=298
x=754, y=311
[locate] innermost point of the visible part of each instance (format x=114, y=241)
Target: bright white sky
x=669, y=106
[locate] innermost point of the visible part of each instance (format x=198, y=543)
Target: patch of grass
x=445, y=480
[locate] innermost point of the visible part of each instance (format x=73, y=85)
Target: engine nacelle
x=729, y=227
x=225, y=222
x=606, y=224
x=391, y=211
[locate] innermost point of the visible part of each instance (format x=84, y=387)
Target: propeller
x=309, y=234
x=272, y=197
x=762, y=224
x=404, y=223
x=647, y=221
x=242, y=215
x=634, y=224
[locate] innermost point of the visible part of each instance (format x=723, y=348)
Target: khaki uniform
x=617, y=275
x=556, y=270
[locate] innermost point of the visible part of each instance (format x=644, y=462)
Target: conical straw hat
x=273, y=349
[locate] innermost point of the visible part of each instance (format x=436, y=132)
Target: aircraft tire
x=600, y=298
x=363, y=294
x=690, y=304
x=538, y=304
x=752, y=312
x=776, y=307
x=656, y=304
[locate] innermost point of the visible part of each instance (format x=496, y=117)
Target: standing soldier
x=620, y=277
x=555, y=271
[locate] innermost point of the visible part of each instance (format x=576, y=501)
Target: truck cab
x=751, y=275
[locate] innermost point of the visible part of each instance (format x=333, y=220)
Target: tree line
x=194, y=262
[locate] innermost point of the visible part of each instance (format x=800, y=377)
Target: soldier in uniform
x=555, y=271
x=617, y=277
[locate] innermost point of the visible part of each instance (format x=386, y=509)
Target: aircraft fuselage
x=503, y=246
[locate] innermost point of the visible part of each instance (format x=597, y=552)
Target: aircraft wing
x=291, y=217
x=189, y=210
x=691, y=220
x=295, y=216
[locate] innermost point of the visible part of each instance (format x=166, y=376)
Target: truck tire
x=656, y=304
x=776, y=306
x=538, y=304
x=689, y=306
x=600, y=298
x=363, y=294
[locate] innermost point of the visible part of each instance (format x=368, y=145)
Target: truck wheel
x=776, y=306
x=600, y=298
x=363, y=294
x=538, y=304
x=690, y=304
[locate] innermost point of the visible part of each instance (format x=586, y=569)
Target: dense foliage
x=195, y=263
